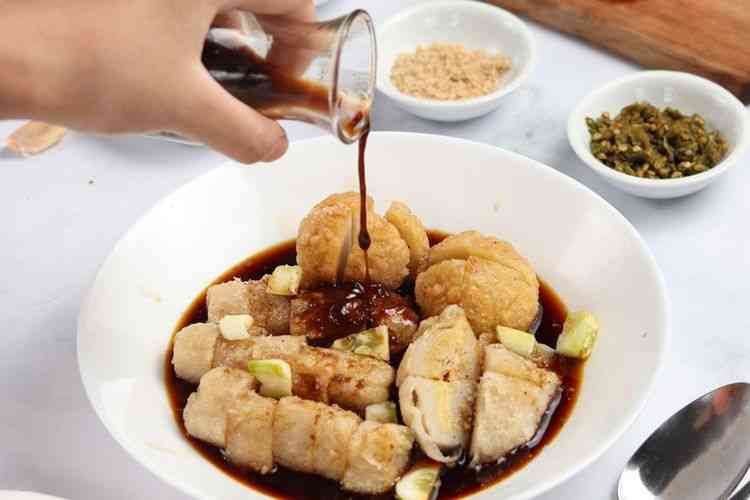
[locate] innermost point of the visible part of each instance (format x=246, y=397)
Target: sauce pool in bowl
x=456, y=482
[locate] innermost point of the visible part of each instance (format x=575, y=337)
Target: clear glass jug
x=321, y=73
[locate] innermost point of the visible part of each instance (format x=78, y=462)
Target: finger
x=211, y=115
x=295, y=51
x=296, y=39
x=232, y=19
x=302, y=10
x=295, y=44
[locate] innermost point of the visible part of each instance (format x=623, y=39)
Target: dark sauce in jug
x=457, y=483
x=273, y=89
x=266, y=87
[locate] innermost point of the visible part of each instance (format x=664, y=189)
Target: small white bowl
x=472, y=24
x=683, y=91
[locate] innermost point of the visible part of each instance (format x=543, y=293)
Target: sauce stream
x=364, y=235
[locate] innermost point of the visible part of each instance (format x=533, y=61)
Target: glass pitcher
x=321, y=73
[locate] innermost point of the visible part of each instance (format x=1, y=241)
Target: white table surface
x=62, y=212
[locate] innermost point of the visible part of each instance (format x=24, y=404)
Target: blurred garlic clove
x=34, y=138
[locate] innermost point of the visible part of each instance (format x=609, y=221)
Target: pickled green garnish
x=644, y=141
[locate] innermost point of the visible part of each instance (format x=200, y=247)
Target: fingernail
x=280, y=145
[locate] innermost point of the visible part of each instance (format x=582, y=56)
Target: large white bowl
x=576, y=241
x=472, y=24
x=25, y=495
x=689, y=94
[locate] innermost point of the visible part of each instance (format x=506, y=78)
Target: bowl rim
x=26, y=495
x=526, y=68
x=740, y=113
x=541, y=487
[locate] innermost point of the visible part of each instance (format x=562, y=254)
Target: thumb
x=209, y=114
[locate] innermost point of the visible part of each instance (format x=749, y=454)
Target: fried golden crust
x=486, y=276
x=378, y=456
x=388, y=255
x=475, y=244
x=231, y=297
x=323, y=235
x=413, y=233
x=330, y=231
x=494, y=295
x=269, y=311
x=462, y=245
x=349, y=199
x=440, y=286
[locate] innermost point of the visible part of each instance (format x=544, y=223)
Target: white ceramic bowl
x=25, y=495
x=683, y=91
x=473, y=24
x=576, y=241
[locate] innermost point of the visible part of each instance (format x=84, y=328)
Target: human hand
x=132, y=66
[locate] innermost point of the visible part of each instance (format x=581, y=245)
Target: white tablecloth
x=62, y=212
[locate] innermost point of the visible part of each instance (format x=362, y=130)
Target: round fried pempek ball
x=323, y=235
x=486, y=276
x=388, y=255
x=414, y=234
x=327, y=238
x=440, y=286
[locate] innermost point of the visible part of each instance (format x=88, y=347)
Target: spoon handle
x=742, y=494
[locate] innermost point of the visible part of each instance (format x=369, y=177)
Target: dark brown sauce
x=337, y=311
x=456, y=483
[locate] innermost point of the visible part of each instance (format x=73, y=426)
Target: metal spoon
x=742, y=494
x=700, y=453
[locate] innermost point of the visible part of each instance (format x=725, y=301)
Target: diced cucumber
x=285, y=280
x=578, y=336
x=235, y=326
x=373, y=343
x=420, y=483
x=384, y=413
x=521, y=343
x=274, y=375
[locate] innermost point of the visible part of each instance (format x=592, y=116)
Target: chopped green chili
x=645, y=142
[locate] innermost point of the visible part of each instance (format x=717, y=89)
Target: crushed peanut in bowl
x=448, y=72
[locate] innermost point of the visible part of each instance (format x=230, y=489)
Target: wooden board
x=707, y=37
